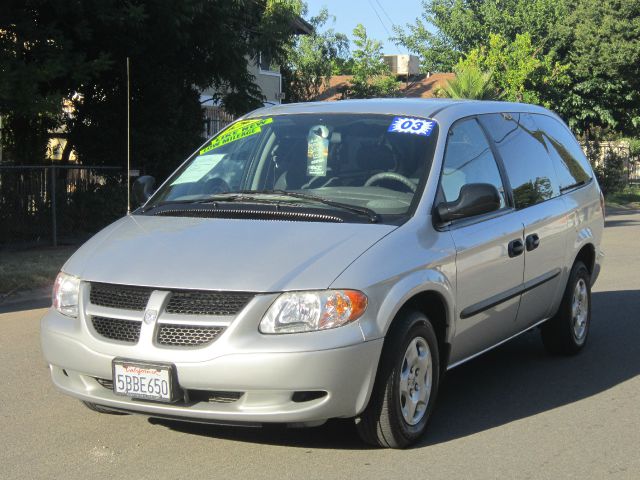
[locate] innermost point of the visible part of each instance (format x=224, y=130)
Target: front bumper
x=266, y=379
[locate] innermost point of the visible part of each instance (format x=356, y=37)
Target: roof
x=301, y=27
x=438, y=108
x=421, y=87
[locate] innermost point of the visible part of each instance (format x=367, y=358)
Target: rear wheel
x=406, y=386
x=566, y=333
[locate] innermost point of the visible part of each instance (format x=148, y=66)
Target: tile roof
x=418, y=87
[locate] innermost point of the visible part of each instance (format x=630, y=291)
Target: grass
x=627, y=198
x=30, y=269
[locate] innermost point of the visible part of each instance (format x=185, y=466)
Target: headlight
x=65, y=294
x=294, y=312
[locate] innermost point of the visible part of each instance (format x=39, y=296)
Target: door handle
x=516, y=247
x=532, y=242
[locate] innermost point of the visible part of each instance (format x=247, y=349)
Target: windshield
x=374, y=164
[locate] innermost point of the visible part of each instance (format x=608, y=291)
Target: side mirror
x=474, y=199
x=143, y=189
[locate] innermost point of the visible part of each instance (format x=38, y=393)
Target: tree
x=602, y=41
x=518, y=69
x=470, y=82
x=580, y=57
x=310, y=59
x=55, y=50
x=371, y=76
x=448, y=29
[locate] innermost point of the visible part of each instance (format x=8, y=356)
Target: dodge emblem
x=150, y=316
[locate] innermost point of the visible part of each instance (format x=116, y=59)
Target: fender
x=414, y=283
x=422, y=260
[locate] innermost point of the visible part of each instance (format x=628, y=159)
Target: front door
x=489, y=268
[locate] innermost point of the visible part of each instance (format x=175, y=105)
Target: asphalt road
x=513, y=413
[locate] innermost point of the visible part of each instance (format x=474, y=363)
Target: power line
x=393, y=24
x=380, y=19
x=385, y=13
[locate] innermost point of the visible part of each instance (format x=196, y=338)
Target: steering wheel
x=216, y=185
x=391, y=176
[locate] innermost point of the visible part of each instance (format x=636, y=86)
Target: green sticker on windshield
x=241, y=129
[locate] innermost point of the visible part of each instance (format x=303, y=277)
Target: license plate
x=149, y=381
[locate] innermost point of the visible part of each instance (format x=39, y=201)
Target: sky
x=349, y=13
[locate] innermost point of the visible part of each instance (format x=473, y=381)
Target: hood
x=222, y=254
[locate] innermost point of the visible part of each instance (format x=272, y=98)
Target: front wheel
x=566, y=333
x=406, y=386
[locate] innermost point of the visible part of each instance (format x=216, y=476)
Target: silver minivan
x=332, y=260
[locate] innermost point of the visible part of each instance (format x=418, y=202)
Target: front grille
x=117, y=329
x=119, y=296
x=187, y=335
x=207, y=303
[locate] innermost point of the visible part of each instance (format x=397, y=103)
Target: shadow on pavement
x=514, y=381
x=21, y=306
x=621, y=223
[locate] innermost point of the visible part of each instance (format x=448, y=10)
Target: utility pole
x=128, y=140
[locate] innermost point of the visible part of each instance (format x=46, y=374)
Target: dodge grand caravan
x=325, y=260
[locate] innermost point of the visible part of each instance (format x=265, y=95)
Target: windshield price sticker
x=415, y=126
x=198, y=168
x=241, y=129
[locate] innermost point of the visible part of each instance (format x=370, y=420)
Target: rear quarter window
x=522, y=148
x=570, y=162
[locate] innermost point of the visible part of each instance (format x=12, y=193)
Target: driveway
x=512, y=413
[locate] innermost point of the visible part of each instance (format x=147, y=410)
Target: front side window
x=468, y=159
x=374, y=162
x=523, y=150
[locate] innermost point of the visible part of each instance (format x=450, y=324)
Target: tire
x=101, y=409
x=387, y=420
x=566, y=333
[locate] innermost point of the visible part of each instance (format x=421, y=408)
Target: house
x=267, y=77
x=416, y=86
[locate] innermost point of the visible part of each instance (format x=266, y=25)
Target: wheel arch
x=434, y=299
x=433, y=305
x=587, y=255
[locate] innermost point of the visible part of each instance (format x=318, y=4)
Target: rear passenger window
x=523, y=150
x=468, y=159
x=571, y=164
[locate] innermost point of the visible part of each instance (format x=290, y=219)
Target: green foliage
x=311, y=59
x=608, y=165
x=371, y=76
x=634, y=147
x=579, y=57
x=602, y=40
x=518, y=69
x=52, y=50
x=462, y=25
x=470, y=82
x=628, y=197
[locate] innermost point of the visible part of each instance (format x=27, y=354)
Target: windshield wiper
x=218, y=197
x=363, y=211
x=244, y=195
